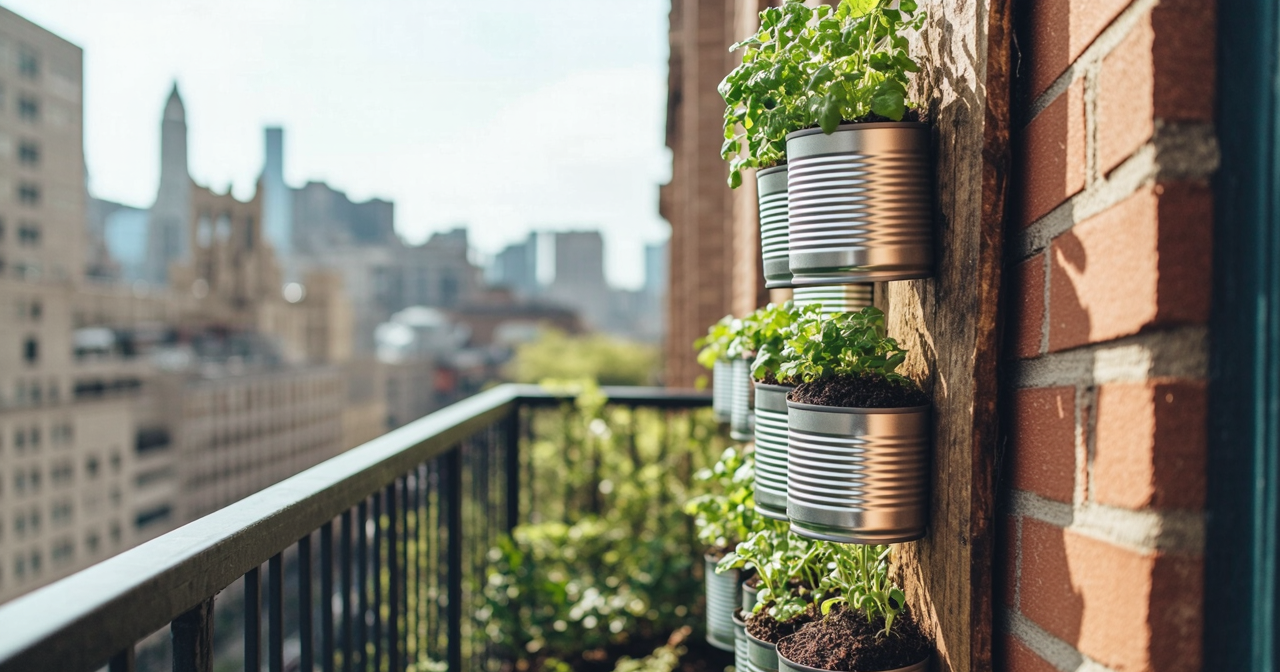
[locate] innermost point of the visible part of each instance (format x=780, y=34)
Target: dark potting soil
x=859, y=391
x=766, y=628
x=845, y=641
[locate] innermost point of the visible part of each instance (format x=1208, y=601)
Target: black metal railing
x=372, y=559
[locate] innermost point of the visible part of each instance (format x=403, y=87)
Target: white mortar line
x=1143, y=531
x=1058, y=653
x=1180, y=352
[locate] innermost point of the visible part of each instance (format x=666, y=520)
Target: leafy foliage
x=727, y=513
x=809, y=67
x=606, y=360
x=764, y=333
x=610, y=558
x=861, y=580
x=842, y=344
x=781, y=558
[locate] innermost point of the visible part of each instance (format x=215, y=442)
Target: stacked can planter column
x=721, y=390
x=722, y=601
x=834, y=299
x=749, y=597
x=742, y=421
x=858, y=476
x=741, y=656
x=859, y=204
x=771, y=187
x=771, y=450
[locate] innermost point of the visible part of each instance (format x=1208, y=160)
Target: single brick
x=1012, y=655
x=1151, y=445
x=1051, y=156
x=1026, y=307
x=1056, y=32
x=1163, y=69
x=1043, y=441
x=1111, y=602
x=1106, y=272
x=1126, y=94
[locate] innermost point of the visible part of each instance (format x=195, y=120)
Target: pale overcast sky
x=506, y=115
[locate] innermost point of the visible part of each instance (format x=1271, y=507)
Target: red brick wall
x=1108, y=252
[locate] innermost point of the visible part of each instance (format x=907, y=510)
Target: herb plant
x=767, y=329
x=780, y=557
x=842, y=344
x=723, y=518
x=809, y=67
x=861, y=581
x=714, y=346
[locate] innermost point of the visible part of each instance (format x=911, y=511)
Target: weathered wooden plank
x=950, y=322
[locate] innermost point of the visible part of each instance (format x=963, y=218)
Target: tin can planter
x=834, y=299
x=741, y=656
x=858, y=475
x=771, y=450
x=790, y=666
x=722, y=601
x=762, y=654
x=860, y=204
x=771, y=188
x=749, y=597
x=721, y=390
x=741, y=421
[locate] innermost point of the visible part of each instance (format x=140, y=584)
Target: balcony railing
x=384, y=545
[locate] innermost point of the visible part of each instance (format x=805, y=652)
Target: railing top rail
x=84, y=619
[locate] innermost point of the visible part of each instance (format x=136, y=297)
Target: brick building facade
x=1096, y=164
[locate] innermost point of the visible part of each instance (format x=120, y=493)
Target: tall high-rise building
x=656, y=268
x=167, y=226
x=516, y=267
x=277, y=201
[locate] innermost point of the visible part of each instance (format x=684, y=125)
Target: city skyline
x=598, y=122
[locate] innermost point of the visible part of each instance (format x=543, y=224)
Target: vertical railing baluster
x=511, y=466
x=453, y=562
x=306, y=658
x=253, y=620
x=361, y=661
x=123, y=661
x=377, y=581
x=348, y=618
x=327, y=640
x=192, y=634
x=393, y=580
x=275, y=613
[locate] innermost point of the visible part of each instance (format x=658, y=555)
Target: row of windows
x=31, y=563
x=33, y=392
x=28, y=193
x=28, y=438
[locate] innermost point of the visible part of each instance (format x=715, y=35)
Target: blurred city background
x=237, y=239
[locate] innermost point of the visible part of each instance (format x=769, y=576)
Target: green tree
x=604, y=359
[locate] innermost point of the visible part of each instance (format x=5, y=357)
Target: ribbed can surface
x=788, y=666
x=741, y=421
x=858, y=475
x=834, y=299
x=741, y=654
x=860, y=206
x=771, y=188
x=762, y=654
x=771, y=450
x=721, y=391
x=722, y=600
x=749, y=595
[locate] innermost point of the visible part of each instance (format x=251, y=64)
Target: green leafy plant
x=860, y=580
x=765, y=332
x=842, y=344
x=781, y=560
x=714, y=346
x=809, y=67
x=727, y=515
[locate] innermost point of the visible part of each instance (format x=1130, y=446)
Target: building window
x=1, y=229
x=29, y=194
x=28, y=109
x=35, y=562
x=20, y=486
x=91, y=542
x=62, y=473
x=61, y=513
x=20, y=567
x=91, y=466
x=34, y=434
x=28, y=63
x=153, y=516
x=29, y=153
x=29, y=234
x=63, y=551
x=35, y=310
x=35, y=480
x=31, y=350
